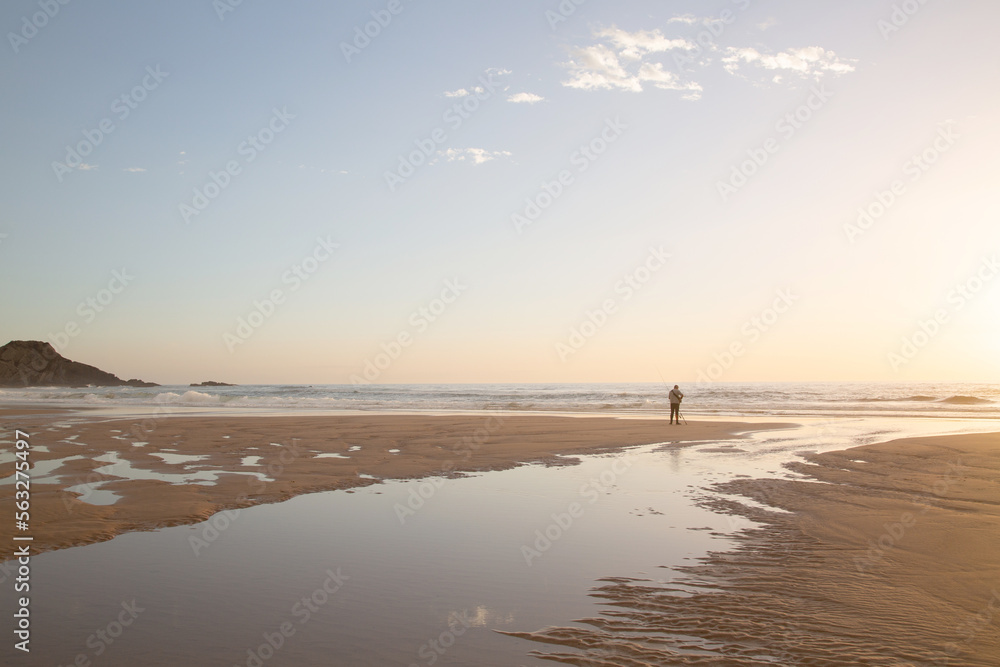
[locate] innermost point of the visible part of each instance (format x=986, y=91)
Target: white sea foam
x=739, y=399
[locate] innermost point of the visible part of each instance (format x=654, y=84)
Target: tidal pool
x=415, y=572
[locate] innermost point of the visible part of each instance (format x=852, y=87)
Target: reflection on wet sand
x=887, y=557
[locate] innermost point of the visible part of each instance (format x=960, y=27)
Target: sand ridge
x=889, y=557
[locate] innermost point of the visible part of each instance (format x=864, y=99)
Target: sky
x=398, y=191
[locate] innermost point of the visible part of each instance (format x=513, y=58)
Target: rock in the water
x=33, y=363
x=211, y=383
x=140, y=383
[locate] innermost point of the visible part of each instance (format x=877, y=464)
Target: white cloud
x=134, y=170
x=634, y=45
x=525, y=98
x=598, y=67
x=86, y=167
x=462, y=92
x=767, y=23
x=473, y=155
x=808, y=62
x=655, y=74
x=465, y=92
x=631, y=61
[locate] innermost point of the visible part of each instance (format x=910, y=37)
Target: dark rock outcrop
x=140, y=383
x=32, y=363
x=212, y=383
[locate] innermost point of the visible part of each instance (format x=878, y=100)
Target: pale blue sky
x=889, y=96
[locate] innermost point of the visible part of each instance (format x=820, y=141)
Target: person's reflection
x=675, y=459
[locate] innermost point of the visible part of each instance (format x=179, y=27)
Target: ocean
x=759, y=399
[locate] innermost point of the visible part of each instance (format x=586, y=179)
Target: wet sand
x=889, y=554
x=293, y=457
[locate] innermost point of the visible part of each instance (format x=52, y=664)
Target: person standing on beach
x=675, y=404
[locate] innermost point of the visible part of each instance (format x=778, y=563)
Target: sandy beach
x=882, y=554
x=886, y=554
x=291, y=456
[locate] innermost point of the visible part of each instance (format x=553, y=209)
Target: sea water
x=840, y=399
